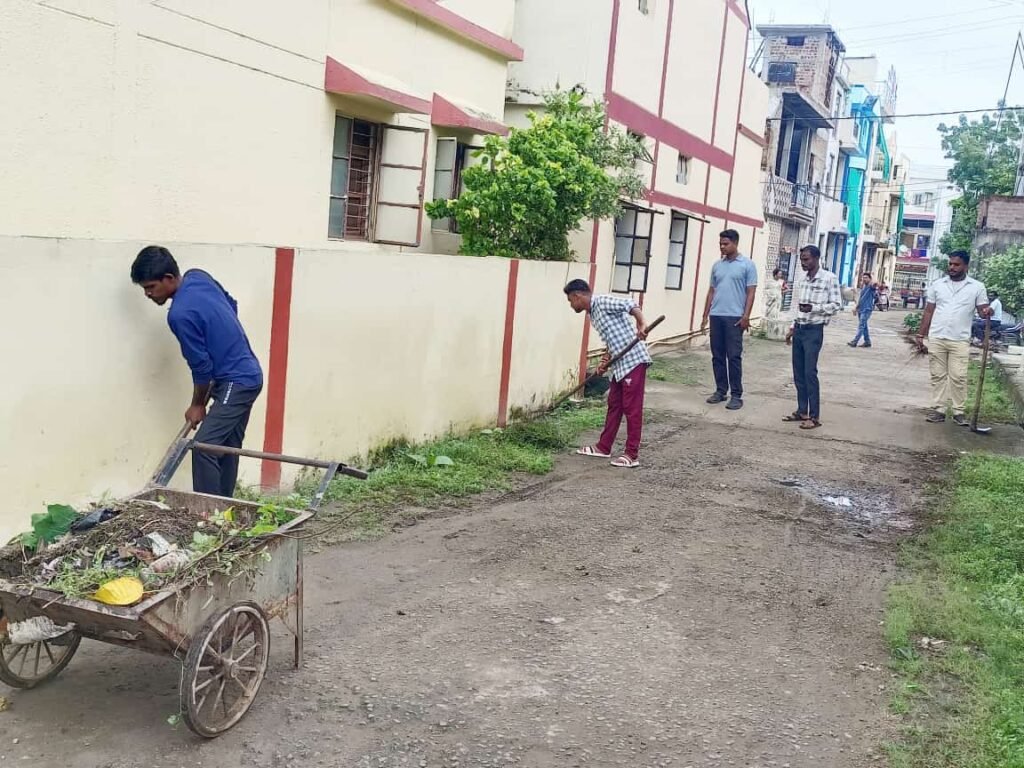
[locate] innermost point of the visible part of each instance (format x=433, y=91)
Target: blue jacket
x=204, y=317
x=866, y=303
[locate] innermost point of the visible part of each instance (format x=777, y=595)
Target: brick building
x=802, y=66
x=1000, y=224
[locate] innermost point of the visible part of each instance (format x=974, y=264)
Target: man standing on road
x=730, y=300
x=950, y=306
x=204, y=318
x=818, y=298
x=610, y=316
x=865, y=306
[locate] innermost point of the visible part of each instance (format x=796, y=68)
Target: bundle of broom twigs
x=920, y=349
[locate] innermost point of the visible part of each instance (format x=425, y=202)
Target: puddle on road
x=866, y=509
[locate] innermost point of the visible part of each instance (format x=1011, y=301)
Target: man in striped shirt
x=610, y=316
x=818, y=299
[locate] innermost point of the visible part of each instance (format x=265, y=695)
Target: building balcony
x=785, y=200
x=803, y=106
x=875, y=232
x=805, y=200
x=848, y=140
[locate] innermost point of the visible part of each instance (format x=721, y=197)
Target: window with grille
x=633, y=230
x=376, y=182
x=676, y=252
x=353, y=171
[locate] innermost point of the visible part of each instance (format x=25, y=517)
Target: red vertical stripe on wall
x=506, y=347
x=586, y=319
x=707, y=182
x=277, y=369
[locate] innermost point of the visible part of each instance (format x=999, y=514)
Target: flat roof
x=801, y=30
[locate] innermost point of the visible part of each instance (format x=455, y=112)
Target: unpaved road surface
x=713, y=608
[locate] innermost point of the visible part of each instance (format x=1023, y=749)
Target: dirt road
x=719, y=607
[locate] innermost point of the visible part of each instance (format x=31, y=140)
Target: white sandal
x=624, y=462
x=592, y=452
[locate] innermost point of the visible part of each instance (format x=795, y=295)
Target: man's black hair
x=813, y=250
x=964, y=256
x=730, y=234
x=577, y=286
x=154, y=262
x=869, y=275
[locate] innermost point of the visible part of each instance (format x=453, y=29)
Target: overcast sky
x=948, y=54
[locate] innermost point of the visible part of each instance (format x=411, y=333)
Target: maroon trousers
x=625, y=398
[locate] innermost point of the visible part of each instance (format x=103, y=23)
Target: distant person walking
x=818, y=299
x=728, y=306
x=774, y=293
x=950, y=304
x=865, y=306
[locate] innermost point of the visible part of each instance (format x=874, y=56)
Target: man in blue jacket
x=865, y=306
x=204, y=318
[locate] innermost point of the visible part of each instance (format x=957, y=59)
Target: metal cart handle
x=183, y=444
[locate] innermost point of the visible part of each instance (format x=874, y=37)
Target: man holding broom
x=948, y=313
x=610, y=317
x=204, y=318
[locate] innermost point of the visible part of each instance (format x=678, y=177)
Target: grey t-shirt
x=730, y=279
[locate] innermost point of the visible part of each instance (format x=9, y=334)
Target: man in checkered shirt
x=818, y=299
x=610, y=317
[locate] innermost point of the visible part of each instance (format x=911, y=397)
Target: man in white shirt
x=996, y=321
x=950, y=306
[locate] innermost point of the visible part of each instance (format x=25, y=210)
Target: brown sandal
x=810, y=424
x=794, y=416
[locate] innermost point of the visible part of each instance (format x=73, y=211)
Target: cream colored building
x=673, y=73
x=287, y=148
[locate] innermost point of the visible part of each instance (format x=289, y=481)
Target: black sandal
x=794, y=416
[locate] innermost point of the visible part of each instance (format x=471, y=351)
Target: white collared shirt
x=997, y=310
x=955, y=303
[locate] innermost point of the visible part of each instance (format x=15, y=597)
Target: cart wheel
x=224, y=668
x=26, y=666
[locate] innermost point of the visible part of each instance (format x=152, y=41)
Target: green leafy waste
x=269, y=518
x=48, y=526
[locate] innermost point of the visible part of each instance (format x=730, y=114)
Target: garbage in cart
x=116, y=553
x=189, y=575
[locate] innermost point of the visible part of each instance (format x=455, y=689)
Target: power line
x=916, y=114
x=958, y=29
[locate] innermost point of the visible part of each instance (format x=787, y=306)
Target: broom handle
x=611, y=362
x=981, y=374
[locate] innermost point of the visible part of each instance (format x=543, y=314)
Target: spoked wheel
x=225, y=665
x=26, y=666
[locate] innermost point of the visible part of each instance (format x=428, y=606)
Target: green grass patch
x=963, y=699
x=676, y=369
x=997, y=406
x=406, y=476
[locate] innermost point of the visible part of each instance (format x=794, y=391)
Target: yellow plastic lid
x=124, y=591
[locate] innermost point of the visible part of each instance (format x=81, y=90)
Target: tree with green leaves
x=1004, y=273
x=984, y=154
x=538, y=184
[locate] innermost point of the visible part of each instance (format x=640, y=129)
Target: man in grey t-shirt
x=730, y=300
